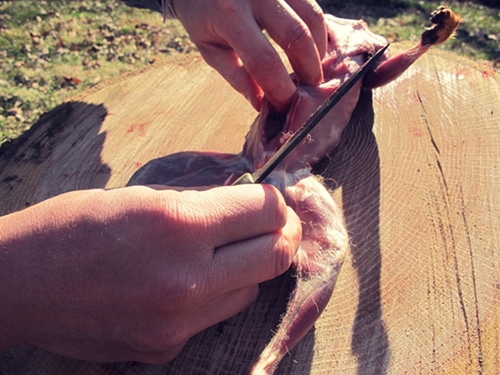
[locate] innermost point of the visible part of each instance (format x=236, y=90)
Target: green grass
x=50, y=50
x=53, y=49
x=478, y=36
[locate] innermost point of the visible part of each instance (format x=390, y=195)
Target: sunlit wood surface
x=417, y=176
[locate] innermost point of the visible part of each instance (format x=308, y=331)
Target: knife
x=260, y=174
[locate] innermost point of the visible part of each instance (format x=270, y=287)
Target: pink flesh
x=325, y=240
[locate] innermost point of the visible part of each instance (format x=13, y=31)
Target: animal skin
x=325, y=241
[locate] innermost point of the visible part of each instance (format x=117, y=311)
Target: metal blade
x=260, y=174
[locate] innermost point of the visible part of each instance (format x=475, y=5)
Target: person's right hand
x=133, y=273
x=228, y=35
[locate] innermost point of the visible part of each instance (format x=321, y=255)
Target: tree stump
x=417, y=175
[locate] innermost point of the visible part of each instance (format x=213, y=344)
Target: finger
x=216, y=310
x=294, y=36
x=228, y=64
x=242, y=212
x=223, y=307
x=261, y=61
x=258, y=259
x=312, y=15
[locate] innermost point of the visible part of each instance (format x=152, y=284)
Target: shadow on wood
x=355, y=167
x=61, y=152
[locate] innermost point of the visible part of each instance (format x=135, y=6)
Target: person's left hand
x=229, y=36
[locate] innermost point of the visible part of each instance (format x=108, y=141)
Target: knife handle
x=245, y=178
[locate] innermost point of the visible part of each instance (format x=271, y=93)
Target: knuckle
x=315, y=15
x=163, y=344
x=168, y=294
x=226, y=5
x=297, y=36
x=171, y=337
x=178, y=296
x=264, y=60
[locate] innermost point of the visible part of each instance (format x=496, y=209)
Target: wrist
x=26, y=243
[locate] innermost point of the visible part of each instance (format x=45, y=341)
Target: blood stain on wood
x=414, y=131
x=140, y=128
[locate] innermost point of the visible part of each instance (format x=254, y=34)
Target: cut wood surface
x=418, y=178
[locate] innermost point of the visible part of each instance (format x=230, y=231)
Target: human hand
x=133, y=273
x=228, y=35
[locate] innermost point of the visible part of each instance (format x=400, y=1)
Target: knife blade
x=260, y=174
